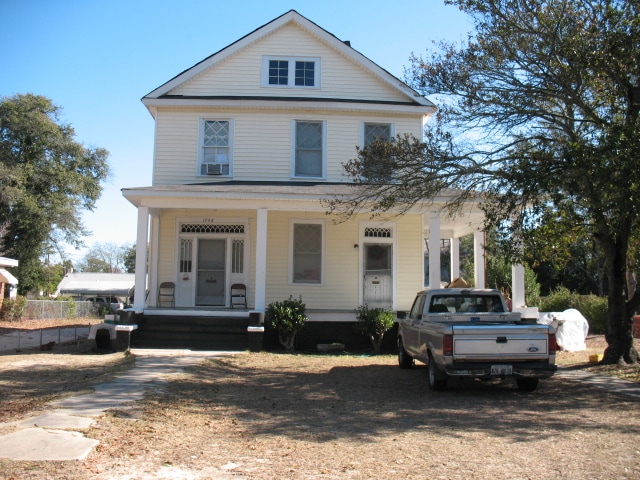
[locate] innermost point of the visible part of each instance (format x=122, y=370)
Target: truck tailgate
x=500, y=342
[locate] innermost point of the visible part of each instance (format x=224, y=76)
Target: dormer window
x=291, y=72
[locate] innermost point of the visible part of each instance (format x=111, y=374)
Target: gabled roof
x=292, y=16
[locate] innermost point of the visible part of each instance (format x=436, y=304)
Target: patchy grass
x=30, y=380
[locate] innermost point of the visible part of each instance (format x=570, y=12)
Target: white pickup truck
x=462, y=332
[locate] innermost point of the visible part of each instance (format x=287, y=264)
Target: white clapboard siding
x=410, y=269
x=240, y=73
x=341, y=282
x=262, y=142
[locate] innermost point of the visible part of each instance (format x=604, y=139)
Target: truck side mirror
x=401, y=315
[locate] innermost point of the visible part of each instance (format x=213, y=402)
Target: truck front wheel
x=527, y=384
x=404, y=359
x=437, y=379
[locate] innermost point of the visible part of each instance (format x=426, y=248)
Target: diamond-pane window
x=308, y=161
x=215, y=143
x=376, y=131
x=307, y=253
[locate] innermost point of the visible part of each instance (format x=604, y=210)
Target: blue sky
x=97, y=58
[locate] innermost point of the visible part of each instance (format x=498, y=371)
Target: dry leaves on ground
x=305, y=416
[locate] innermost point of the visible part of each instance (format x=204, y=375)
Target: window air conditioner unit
x=212, y=169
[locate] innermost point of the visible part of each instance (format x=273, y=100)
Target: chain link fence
x=50, y=309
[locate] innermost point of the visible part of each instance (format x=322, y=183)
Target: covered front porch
x=245, y=230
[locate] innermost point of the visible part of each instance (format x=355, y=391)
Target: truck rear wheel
x=527, y=384
x=404, y=359
x=437, y=379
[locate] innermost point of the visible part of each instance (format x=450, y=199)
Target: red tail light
x=553, y=344
x=447, y=345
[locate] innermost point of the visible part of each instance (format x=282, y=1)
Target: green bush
x=287, y=318
x=374, y=323
x=592, y=307
x=559, y=300
x=13, y=309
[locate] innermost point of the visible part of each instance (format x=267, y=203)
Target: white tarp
x=571, y=329
x=85, y=284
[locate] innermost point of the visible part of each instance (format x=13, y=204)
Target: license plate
x=501, y=369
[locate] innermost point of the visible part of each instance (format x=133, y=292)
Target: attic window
x=291, y=72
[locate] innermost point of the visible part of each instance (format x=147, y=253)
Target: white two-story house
x=248, y=143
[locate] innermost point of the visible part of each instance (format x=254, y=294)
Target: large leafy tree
x=105, y=258
x=46, y=179
x=539, y=122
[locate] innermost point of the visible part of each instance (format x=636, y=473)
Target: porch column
x=478, y=258
x=261, y=261
x=434, y=251
x=455, y=258
x=141, y=257
x=517, y=286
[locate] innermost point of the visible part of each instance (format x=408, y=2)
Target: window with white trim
x=216, y=147
x=308, y=149
x=307, y=252
x=377, y=131
x=294, y=72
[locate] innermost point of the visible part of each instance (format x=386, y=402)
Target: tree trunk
x=377, y=344
x=619, y=336
x=288, y=341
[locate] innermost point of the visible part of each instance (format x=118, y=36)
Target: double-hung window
x=294, y=72
x=215, y=154
x=308, y=149
x=308, y=239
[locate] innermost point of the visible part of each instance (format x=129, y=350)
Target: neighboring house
x=8, y=283
x=81, y=285
x=247, y=144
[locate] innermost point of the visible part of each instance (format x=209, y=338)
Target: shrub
x=559, y=300
x=374, y=323
x=13, y=309
x=594, y=309
x=287, y=318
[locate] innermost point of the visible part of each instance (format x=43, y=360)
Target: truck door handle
x=501, y=340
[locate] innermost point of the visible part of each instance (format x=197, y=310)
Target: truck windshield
x=465, y=303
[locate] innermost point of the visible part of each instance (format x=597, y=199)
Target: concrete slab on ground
x=40, y=444
x=56, y=434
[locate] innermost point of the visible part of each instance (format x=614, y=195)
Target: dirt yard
x=306, y=416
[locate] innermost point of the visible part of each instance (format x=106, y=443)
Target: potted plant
x=287, y=318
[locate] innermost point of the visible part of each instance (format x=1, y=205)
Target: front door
x=378, y=275
x=211, y=272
